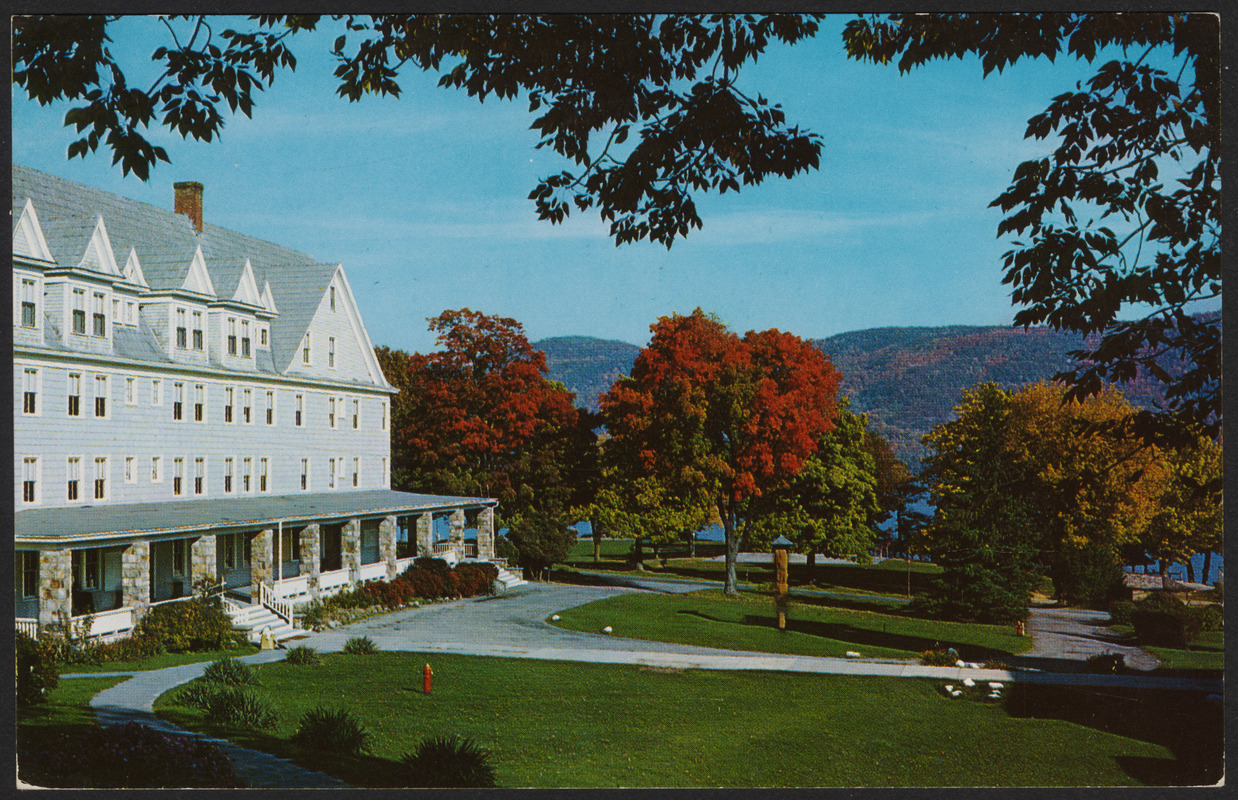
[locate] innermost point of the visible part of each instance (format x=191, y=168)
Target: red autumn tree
x=479, y=417
x=720, y=418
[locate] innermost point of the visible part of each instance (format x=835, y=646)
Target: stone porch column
x=202, y=562
x=350, y=550
x=135, y=578
x=310, y=539
x=386, y=545
x=425, y=535
x=456, y=532
x=485, y=533
x=262, y=559
x=55, y=586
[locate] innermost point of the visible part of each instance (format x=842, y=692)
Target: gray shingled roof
x=65, y=525
x=165, y=244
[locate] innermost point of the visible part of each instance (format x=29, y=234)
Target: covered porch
x=301, y=548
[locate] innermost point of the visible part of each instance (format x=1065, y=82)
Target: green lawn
x=158, y=662
x=708, y=619
x=1205, y=658
x=559, y=724
x=68, y=705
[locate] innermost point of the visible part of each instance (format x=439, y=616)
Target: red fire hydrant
x=427, y=673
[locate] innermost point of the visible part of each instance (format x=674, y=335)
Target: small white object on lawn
x=555, y=618
x=852, y=654
x=607, y=629
x=960, y=663
x=996, y=685
x=957, y=693
x=968, y=682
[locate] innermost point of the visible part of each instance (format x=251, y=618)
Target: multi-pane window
x=331, y=351
x=386, y=475
x=131, y=391
x=156, y=469
x=247, y=405
x=231, y=336
x=290, y=546
x=384, y=407
x=75, y=394
x=74, y=478
x=270, y=407
x=304, y=474
x=197, y=331
x=79, y=311
x=229, y=541
x=29, y=303
x=182, y=330
x=229, y=393
x=156, y=392
x=199, y=475
x=178, y=401
x=331, y=412
x=305, y=349
x=101, y=478
x=300, y=409
x=116, y=309
x=244, y=338
x=247, y=473
x=356, y=472
x=28, y=569
x=227, y=474
x=262, y=336
x=331, y=473
x=132, y=313
x=262, y=474
x=101, y=395
x=332, y=298
x=356, y=414
x=100, y=318
x=178, y=476
x=178, y=556
x=30, y=480
x=30, y=391
x=86, y=569
x=199, y=402
x=130, y=474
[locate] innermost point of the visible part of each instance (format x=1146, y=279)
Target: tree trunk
x=597, y=544
x=1207, y=564
x=692, y=545
x=1164, y=571
x=654, y=545
x=1190, y=570
x=731, y=587
x=811, y=564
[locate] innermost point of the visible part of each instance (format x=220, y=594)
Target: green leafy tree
x=829, y=505
x=646, y=109
x=1188, y=519
x=1125, y=209
x=542, y=540
x=640, y=508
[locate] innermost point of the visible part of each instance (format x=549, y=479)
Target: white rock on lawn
x=968, y=682
x=852, y=654
x=996, y=685
x=555, y=618
x=607, y=629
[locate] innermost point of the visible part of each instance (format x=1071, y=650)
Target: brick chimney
x=189, y=202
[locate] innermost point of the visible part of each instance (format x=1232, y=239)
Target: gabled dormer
x=132, y=272
x=332, y=343
x=31, y=256
x=29, y=244
x=99, y=256
x=198, y=280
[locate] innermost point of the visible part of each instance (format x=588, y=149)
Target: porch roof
x=158, y=520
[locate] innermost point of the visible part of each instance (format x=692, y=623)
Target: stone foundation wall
x=387, y=545
x=456, y=534
x=485, y=533
x=55, y=586
x=202, y=563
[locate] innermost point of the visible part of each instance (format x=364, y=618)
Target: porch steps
x=508, y=579
x=254, y=619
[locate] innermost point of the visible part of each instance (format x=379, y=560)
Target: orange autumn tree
x=712, y=415
x=479, y=417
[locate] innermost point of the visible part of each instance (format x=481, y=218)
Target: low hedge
x=426, y=579
x=1162, y=620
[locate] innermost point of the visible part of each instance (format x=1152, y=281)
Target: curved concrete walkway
x=1064, y=638
x=513, y=625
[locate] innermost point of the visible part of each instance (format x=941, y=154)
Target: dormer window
x=305, y=350
x=79, y=311
x=231, y=336
x=332, y=298
x=99, y=315
x=197, y=331
x=29, y=303
x=244, y=338
x=133, y=312
x=262, y=336
x=182, y=331
x=116, y=309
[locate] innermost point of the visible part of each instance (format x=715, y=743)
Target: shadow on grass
x=1185, y=722
x=842, y=632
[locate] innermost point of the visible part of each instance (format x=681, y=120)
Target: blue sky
x=424, y=199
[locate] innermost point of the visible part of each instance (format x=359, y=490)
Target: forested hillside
x=906, y=379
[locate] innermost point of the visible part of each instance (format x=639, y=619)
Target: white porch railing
x=442, y=548
x=28, y=626
x=402, y=564
x=111, y=623
x=333, y=580
x=279, y=606
x=373, y=571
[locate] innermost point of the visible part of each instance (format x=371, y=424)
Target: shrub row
x=426, y=579
x=1160, y=619
x=130, y=756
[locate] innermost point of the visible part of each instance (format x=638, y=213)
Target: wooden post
x=781, y=548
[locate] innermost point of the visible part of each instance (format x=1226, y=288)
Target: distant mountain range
x=906, y=379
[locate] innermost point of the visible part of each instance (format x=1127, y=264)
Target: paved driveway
x=1064, y=638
